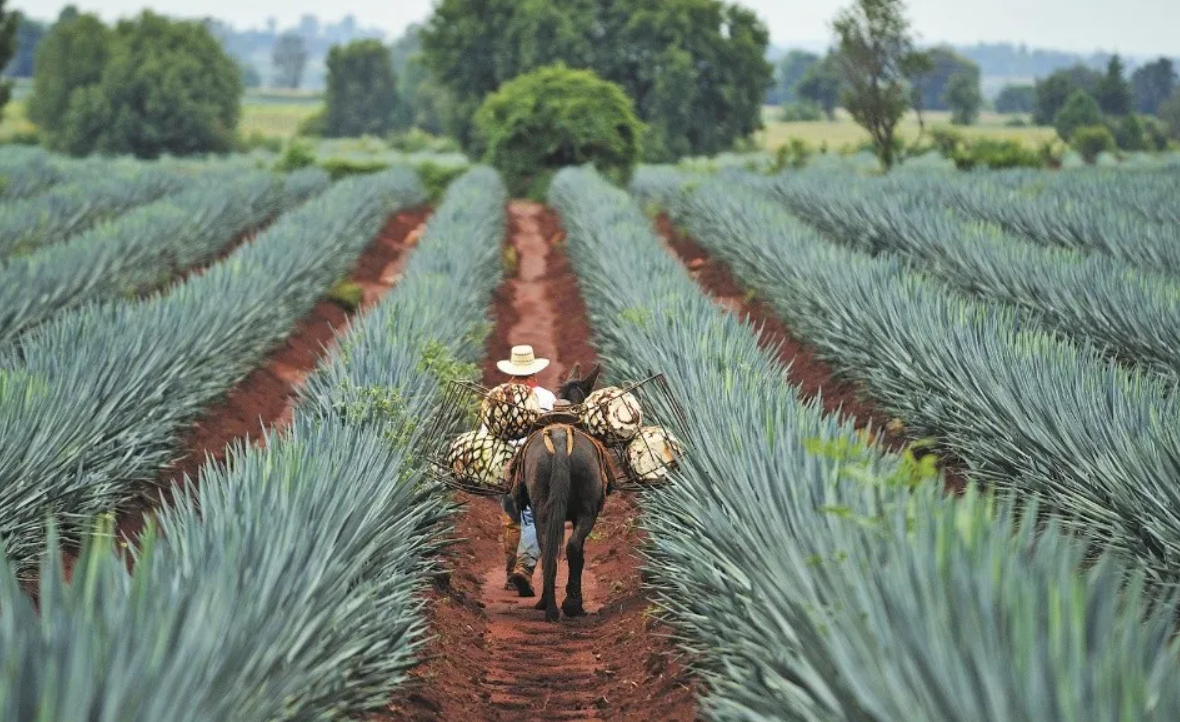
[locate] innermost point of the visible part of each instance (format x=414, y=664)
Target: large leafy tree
x=71, y=56
x=289, y=59
x=544, y=120
x=1153, y=83
x=962, y=95
x=874, y=42
x=821, y=85
x=361, y=97
x=166, y=87
x=1054, y=90
x=1016, y=99
x=791, y=69
x=695, y=69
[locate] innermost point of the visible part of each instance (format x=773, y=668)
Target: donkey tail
x=553, y=531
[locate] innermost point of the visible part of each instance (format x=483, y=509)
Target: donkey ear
x=577, y=369
x=592, y=378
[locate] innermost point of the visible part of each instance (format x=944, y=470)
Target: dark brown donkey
x=564, y=474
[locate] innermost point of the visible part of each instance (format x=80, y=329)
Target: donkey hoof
x=573, y=608
x=551, y=614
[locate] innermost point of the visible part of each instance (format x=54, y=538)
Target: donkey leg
x=575, y=553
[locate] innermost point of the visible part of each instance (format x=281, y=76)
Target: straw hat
x=523, y=362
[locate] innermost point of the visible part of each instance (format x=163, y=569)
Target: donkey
x=564, y=475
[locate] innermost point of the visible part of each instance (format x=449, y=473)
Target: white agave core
x=479, y=457
x=612, y=415
x=509, y=410
x=652, y=452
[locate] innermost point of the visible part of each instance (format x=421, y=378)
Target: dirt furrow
x=813, y=375
x=493, y=657
x=264, y=399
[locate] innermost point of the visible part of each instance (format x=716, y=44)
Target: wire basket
x=643, y=452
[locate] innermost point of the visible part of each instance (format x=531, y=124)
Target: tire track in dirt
x=493, y=657
x=264, y=400
x=805, y=369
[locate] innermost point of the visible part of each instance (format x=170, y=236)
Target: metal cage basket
x=643, y=453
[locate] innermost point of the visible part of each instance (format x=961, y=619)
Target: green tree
x=1053, y=91
x=695, y=69
x=943, y=63
x=71, y=56
x=1129, y=133
x=1153, y=83
x=874, y=39
x=1113, y=93
x=554, y=117
x=791, y=69
x=821, y=85
x=1081, y=110
x=167, y=87
x=1016, y=99
x=361, y=97
x=289, y=58
x=1092, y=140
x=963, y=97
x=9, y=22
x=28, y=36
x=1169, y=113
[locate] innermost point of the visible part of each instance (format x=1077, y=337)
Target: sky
x=1130, y=27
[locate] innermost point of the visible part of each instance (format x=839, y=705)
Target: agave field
x=1025, y=324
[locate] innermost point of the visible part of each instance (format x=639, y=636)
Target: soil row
x=493, y=657
x=805, y=369
x=263, y=401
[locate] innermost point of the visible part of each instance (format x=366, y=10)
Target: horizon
x=1110, y=27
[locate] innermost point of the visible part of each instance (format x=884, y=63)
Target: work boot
x=521, y=579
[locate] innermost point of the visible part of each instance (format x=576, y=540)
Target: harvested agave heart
x=509, y=411
x=652, y=453
x=612, y=415
x=477, y=457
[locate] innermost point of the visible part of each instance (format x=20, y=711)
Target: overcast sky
x=1131, y=27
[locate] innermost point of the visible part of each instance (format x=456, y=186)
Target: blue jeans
x=528, y=551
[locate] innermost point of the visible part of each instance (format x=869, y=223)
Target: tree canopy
x=1054, y=90
x=289, y=58
x=790, y=70
x=1016, y=99
x=821, y=85
x=151, y=86
x=1113, y=93
x=28, y=35
x=1153, y=83
x=695, y=69
x=1081, y=110
x=361, y=98
x=71, y=56
x=542, y=121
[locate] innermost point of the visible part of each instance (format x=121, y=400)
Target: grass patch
x=347, y=294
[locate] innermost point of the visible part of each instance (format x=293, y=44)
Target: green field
x=844, y=131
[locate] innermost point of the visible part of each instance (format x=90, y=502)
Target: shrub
x=295, y=157
x=436, y=178
x=1081, y=110
x=1155, y=134
x=995, y=154
x=1129, y=133
x=556, y=117
x=1091, y=140
x=343, y=167
x=313, y=125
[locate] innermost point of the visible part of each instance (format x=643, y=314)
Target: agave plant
x=95, y=398
x=291, y=594
x=144, y=248
x=1132, y=313
x=1022, y=407
x=812, y=577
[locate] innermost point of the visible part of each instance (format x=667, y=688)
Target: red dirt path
x=813, y=375
x=265, y=398
x=493, y=656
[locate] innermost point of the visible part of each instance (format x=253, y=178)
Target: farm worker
x=521, y=550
